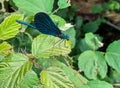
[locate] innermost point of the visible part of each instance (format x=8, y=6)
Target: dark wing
x=45, y=25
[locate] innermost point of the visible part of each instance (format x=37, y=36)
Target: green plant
x=29, y=59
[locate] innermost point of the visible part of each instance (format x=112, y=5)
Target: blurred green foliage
x=30, y=59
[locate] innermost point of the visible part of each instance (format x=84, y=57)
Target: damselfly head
x=63, y=36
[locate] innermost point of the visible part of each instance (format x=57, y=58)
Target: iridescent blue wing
x=45, y=25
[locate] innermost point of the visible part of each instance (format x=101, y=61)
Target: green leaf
x=78, y=22
x=93, y=64
x=112, y=55
x=99, y=84
x=105, y=6
x=44, y=46
x=9, y=27
x=15, y=70
x=5, y=48
x=22, y=42
x=115, y=76
x=58, y=20
x=114, y=5
x=66, y=26
x=55, y=77
x=63, y=4
x=93, y=41
x=1, y=57
x=71, y=33
x=34, y=6
x=96, y=9
x=83, y=45
x=78, y=80
x=92, y=26
x=30, y=80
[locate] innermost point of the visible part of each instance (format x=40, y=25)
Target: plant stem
x=112, y=25
x=116, y=84
x=67, y=62
x=3, y=8
x=37, y=65
x=55, y=10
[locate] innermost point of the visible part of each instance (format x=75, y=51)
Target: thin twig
x=55, y=11
x=69, y=1
x=3, y=7
x=116, y=84
x=79, y=71
x=113, y=25
x=67, y=62
x=37, y=65
x=32, y=59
